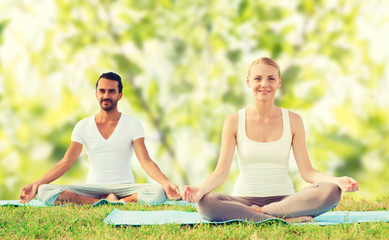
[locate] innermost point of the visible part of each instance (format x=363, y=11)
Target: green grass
x=85, y=222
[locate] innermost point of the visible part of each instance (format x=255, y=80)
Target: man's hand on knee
x=28, y=192
x=172, y=191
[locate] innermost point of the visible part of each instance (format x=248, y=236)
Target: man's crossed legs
x=51, y=194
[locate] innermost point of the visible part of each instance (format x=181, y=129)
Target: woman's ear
x=248, y=81
x=279, y=84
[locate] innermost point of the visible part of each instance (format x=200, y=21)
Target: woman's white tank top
x=263, y=166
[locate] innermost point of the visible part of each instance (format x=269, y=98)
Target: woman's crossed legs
x=310, y=202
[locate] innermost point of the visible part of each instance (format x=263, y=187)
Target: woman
x=263, y=135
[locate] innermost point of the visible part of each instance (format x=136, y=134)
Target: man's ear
x=120, y=95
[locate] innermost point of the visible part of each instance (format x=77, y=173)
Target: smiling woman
x=264, y=79
x=263, y=135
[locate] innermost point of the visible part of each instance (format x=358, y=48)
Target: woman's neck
x=264, y=109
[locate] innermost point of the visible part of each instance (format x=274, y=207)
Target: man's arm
x=151, y=168
x=28, y=192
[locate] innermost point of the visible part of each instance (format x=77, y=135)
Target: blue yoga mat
x=37, y=203
x=337, y=217
x=16, y=203
x=137, y=218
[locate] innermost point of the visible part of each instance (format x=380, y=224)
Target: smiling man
x=110, y=138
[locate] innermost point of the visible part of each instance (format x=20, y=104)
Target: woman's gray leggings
x=313, y=200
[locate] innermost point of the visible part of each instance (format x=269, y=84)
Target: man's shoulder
x=130, y=118
x=87, y=120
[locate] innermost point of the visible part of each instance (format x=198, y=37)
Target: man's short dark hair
x=111, y=76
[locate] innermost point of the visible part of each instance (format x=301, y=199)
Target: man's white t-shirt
x=109, y=158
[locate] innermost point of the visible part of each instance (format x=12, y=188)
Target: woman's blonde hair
x=267, y=61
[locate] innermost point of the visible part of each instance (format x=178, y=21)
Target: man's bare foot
x=131, y=198
x=112, y=198
x=256, y=208
x=123, y=201
x=301, y=219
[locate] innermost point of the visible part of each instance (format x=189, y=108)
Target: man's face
x=107, y=93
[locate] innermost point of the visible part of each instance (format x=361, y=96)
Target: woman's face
x=263, y=81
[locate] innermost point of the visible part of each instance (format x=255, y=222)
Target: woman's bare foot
x=301, y=219
x=256, y=208
x=123, y=201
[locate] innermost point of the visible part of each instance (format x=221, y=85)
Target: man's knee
x=44, y=189
x=152, y=194
x=48, y=193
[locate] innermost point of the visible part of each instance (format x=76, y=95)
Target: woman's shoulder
x=294, y=116
x=296, y=121
x=231, y=122
x=232, y=119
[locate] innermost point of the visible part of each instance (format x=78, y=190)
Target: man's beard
x=110, y=107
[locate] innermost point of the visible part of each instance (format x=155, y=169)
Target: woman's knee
x=208, y=200
x=207, y=207
x=331, y=192
x=211, y=206
x=329, y=196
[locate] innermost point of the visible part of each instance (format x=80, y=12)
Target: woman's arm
x=220, y=174
x=307, y=171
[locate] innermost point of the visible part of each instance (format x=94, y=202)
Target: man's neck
x=105, y=116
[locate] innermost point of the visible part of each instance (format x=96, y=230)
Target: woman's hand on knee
x=192, y=194
x=347, y=184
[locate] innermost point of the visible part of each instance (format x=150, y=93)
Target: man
x=110, y=138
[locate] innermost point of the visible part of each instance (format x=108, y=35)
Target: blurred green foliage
x=184, y=65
